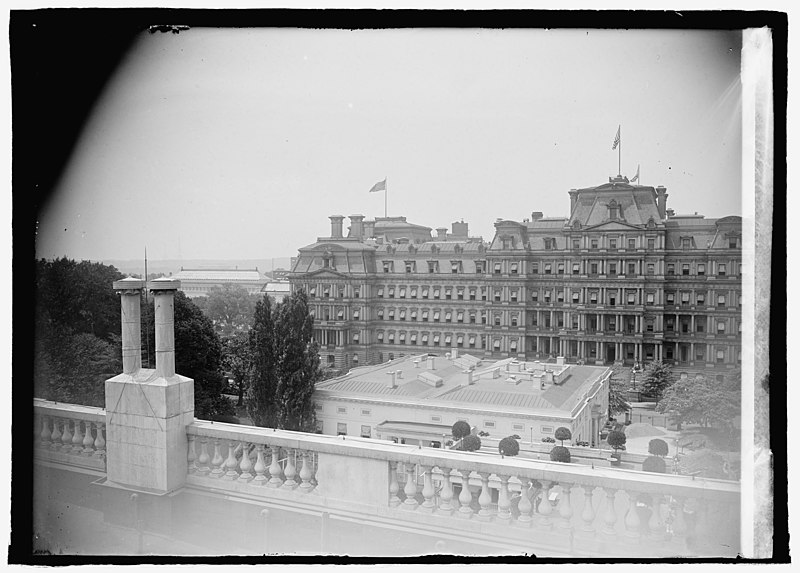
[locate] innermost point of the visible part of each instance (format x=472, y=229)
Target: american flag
x=616, y=140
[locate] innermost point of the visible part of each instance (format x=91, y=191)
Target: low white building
x=277, y=290
x=417, y=399
x=198, y=282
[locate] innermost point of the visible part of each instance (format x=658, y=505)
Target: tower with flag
x=618, y=144
x=381, y=186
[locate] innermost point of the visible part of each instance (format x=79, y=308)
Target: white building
x=198, y=282
x=417, y=399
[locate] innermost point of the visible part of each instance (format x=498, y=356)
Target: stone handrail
x=70, y=434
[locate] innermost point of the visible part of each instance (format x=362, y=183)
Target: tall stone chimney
x=336, y=226
x=392, y=380
x=130, y=291
x=441, y=233
x=369, y=229
x=573, y=200
x=357, y=226
x=661, y=195
x=163, y=290
x=460, y=229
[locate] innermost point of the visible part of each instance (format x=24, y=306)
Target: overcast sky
x=223, y=143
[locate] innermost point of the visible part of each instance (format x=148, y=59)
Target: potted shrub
x=616, y=439
x=560, y=454
x=508, y=446
x=562, y=434
x=654, y=464
x=470, y=443
x=460, y=430
x=548, y=440
x=658, y=447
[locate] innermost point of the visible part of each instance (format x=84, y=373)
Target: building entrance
x=611, y=355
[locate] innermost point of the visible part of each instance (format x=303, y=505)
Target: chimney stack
x=393, y=380
x=431, y=363
x=661, y=194
x=369, y=229
x=454, y=353
x=163, y=290
x=336, y=226
x=130, y=291
x=470, y=376
x=441, y=233
x=357, y=226
x=399, y=374
x=460, y=230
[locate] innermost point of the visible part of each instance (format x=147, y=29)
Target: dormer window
x=455, y=267
x=433, y=267
x=576, y=244
x=388, y=266
x=686, y=243
x=613, y=210
x=508, y=243
x=410, y=266
x=733, y=243
x=479, y=267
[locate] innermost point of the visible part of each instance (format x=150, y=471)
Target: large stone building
x=623, y=280
x=198, y=282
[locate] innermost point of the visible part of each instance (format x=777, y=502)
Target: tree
x=705, y=401
x=285, y=365
x=658, y=447
x=657, y=378
x=470, y=443
x=198, y=355
x=654, y=464
x=560, y=454
x=237, y=359
x=562, y=434
x=617, y=385
x=231, y=308
x=616, y=439
x=461, y=429
x=508, y=447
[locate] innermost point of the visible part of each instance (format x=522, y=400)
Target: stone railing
x=525, y=506
x=69, y=434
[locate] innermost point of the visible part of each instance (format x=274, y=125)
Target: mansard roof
x=637, y=204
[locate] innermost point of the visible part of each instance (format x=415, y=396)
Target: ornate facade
x=621, y=280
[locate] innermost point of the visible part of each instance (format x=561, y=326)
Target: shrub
x=654, y=465
x=470, y=443
x=583, y=444
x=548, y=440
x=616, y=439
x=516, y=437
x=461, y=429
x=508, y=446
x=562, y=434
x=483, y=434
x=658, y=447
x=560, y=454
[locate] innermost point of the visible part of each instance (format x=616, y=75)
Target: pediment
x=612, y=226
x=325, y=273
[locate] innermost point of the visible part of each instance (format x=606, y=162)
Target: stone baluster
x=465, y=497
x=290, y=471
x=632, y=521
x=275, y=472
x=588, y=514
x=44, y=435
x=231, y=465
x=77, y=439
x=428, y=490
x=656, y=523
x=55, y=436
x=88, y=441
x=446, y=493
x=565, y=506
x=394, y=487
x=260, y=467
x=66, y=437
x=217, y=461
x=191, y=457
x=525, y=506
x=701, y=525
x=100, y=441
x=610, y=514
x=485, y=498
x=245, y=464
x=410, y=488
x=545, y=507
x=503, y=501
x=679, y=527
x=204, y=459
x=306, y=472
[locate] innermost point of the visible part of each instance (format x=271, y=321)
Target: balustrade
x=70, y=433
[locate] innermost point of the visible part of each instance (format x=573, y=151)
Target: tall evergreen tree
x=657, y=378
x=260, y=398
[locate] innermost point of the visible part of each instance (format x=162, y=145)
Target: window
x=425, y=292
x=685, y=269
x=436, y=293
x=497, y=344
x=340, y=315
x=460, y=316
x=425, y=316
x=631, y=298
x=455, y=267
x=701, y=298
x=497, y=268
x=436, y=419
x=514, y=320
x=365, y=431
x=514, y=268
x=409, y=267
x=561, y=268
x=341, y=410
x=560, y=296
x=651, y=297
x=356, y=314
x=612, y=243
x=448, y=316
x=701, y=269
x=488, y=424
x=720, y=327
x=327, y=292
x=721, y=300
x=402, y=292
x=356, y=292
x=355, y=337
x=413, y=315
x=460, y=340
x=497, y=294
x=380, y=337
x=514, y=295
x=722, y=269
x=319, y=427
x=413, y=338
x=720, y=356
x=631, y=243
x=312, y=291
x=699, y=353
x=631, y=268
x=670, y=298
x=472, y=318
x=593, y=268
x=576, y=244
x=612, y=269
x=391, y=338
x=651, y=268
x=413, y=292
x=649, y=325
x=594, y=243
x=574, y=322
x=686, y=243
x=547, y=429
x=483, y=293
x=547, y=296
x=391, y=314
x=576, y=268
x=483, y=317
x=479, y=267
x=593, y=297
x=341, y=429
x=380, y=313
x=433, y=267
x=684, y=298
x=535, y=268
x=518, y=426
x=387, y=266
x=448, y=293
x=576, y=297
x=700, y=326
x=497, y=320
x=460, y=294
x=670, y=269
x=447, y=339
x=472, y=340
x=425, y=339
x=732, y=244
x=436, y=316
x=402, y=338
x=403, y=314
x=548, y=268
x=651, y=244
x=669, y=324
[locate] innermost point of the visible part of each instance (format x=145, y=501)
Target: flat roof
x=498, y=385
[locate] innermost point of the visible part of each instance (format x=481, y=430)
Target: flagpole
x=386, y=198
x=619, y=155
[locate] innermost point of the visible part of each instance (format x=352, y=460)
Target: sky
x=239, y=143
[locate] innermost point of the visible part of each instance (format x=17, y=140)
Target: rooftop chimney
x=369, y=229
x=399, y=374
x=454, y=354
x=661, y=194
x=336, y=226
x=441, y=233
x=431, y=363
x=460, y=229
x=357, y=226
x=393, y=380
x=470, y=376
x=163, y=290
x=130, y=290
x=536, y=215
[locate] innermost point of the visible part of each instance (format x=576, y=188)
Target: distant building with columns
x=622, y=280
x=198, y=282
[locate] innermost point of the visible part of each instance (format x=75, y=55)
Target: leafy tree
x=705, y=401
x=657, y=378
x=560, y=454
x=617, y=385
x=237, y=359
x=230, y=308
x=658, y=447
x=470, y=443
x=616, y=439
x=285, y=364
x=654, y=464
x=508, y=447
x=461, y=429
x=198, y=355
x=562, y=434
